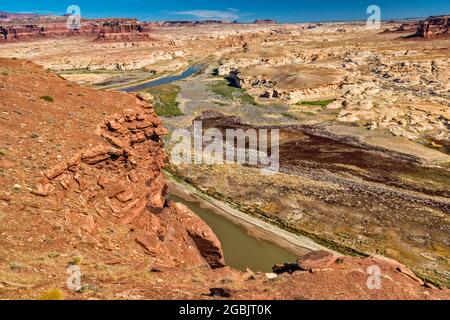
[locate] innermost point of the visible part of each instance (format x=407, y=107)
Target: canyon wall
x=102, y=29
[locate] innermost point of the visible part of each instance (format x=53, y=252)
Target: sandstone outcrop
x=132, y=148
x=316, y=260
x=101, y=29
x=123, y=31
x=104, y=174
x=434, y=26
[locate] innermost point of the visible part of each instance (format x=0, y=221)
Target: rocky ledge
x=432, y=27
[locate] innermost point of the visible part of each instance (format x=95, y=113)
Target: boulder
x=204, y=238
x=319, y=259
x=285, y=268
x=335, y=105
x=347, y=117
x=56, y=171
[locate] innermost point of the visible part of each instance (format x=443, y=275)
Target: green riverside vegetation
x=166, y=104
x=319, y=103
x=223, y=89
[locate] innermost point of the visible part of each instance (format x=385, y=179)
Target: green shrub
x=76, y=260
x=289, y=115
x=248, y=99
x=52, y=294
x=166, y=103
x=320, y=103
x=222, y=88
x=222, y=104
x=47, y=98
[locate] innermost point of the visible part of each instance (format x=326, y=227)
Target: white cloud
x=210, y=14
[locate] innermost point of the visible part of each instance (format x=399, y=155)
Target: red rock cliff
x=87, y=161
x=101, y=29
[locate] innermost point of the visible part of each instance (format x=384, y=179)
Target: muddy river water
x=241, y=249
x=165, y=80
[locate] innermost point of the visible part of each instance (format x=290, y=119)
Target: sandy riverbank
x=256, y=227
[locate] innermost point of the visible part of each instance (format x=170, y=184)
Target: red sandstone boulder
x=316, y=260
x=204, y=238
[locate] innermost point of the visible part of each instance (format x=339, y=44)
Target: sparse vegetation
x=289, y=115
x=222, y=104
x=248, y=99
x=87, y=288
x=16, y=266
x=47, y=98
x=53, y=255
x=319, y=103
x=166, y=103
x=52, y=294
x=223, y=89
x=76, y=260
x=434, y=277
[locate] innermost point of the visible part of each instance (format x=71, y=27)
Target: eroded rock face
x=122, y=175
x=102, y=29
x=204, y=238
x=105, y=173
x=434, y=26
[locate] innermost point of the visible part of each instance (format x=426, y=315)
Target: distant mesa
x=15, y=26
x=265, y=21
x=408, y=27
x=24, y=27
x=118, y=30
x=191, y=23
x=432, y=27
x=7, y=16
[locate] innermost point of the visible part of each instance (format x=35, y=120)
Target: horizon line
x=228, y=21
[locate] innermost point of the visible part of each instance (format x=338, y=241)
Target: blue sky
x=241, y=10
